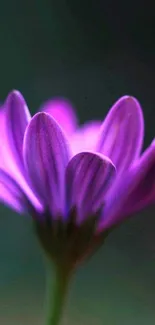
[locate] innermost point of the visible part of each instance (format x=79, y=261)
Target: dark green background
x=91, y=52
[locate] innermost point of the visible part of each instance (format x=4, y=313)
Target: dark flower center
x=67, y=243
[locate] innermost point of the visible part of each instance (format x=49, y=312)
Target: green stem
x=56, y=296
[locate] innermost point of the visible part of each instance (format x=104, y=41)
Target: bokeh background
x=91, y=52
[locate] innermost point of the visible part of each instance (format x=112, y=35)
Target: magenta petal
x=121, y=136
x=144, y=192
x=132, y=192
x=46, y=155
x=9, y=165
x=11, y=194
x=17, y=118
x=10, y=200
x=88, y=176
x=85, y=137
x=7, y=159
x=3, y=136
x=62, y=111
x=6, y=154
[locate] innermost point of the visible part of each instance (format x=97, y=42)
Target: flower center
x=67, y=243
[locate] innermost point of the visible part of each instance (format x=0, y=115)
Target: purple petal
x=10, y=200
x=88, y=176
x=132, y=192
x=46, y=155
x=121, y=136
x=4, y=145
x=85, y=137
x=11, y=194
x=8, y=162
x=7, y=159
x=62, y=111
x=144, y=191
x=17, y=118
x=16, y=193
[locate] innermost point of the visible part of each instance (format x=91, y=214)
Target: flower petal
x=144, y=192
x=4, y=145
x=62, y=111
x=134, y=191
x=3, y=137
x=121, y=136
x=7, y=157
x=88, y=176
x=85, y=137
x=11, y=194
x=17, y=118
x=46, y=155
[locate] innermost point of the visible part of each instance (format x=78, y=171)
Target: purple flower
x=76, y=182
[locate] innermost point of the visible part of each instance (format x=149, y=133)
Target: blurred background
x=91, y=52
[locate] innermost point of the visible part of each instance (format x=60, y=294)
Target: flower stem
x=56, y=296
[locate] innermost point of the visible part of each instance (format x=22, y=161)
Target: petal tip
x=43, y=116
x=129, y=99
x=63, y=112
x=153, y=143
x=15, y=98
x=14, y=94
